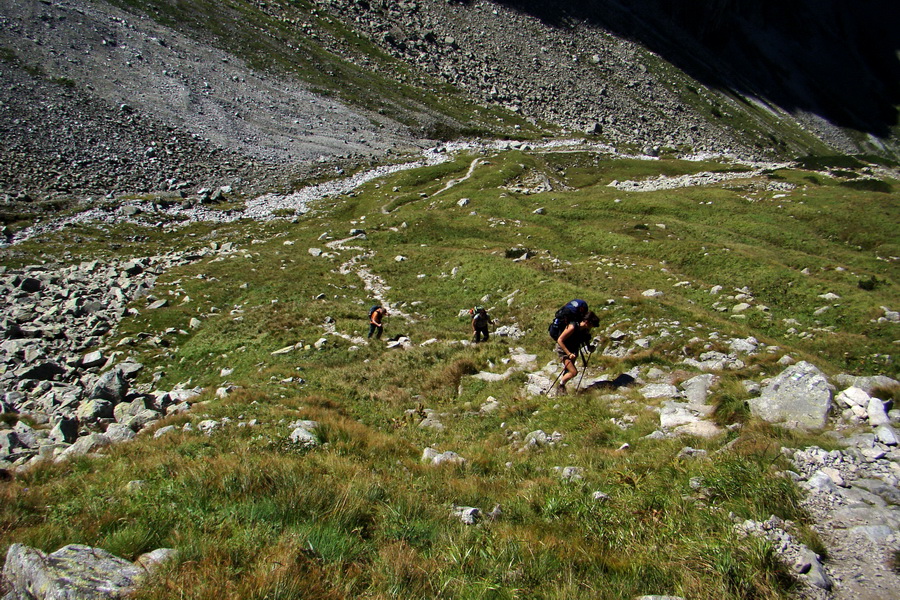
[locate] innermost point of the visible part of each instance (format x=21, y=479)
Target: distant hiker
x=376, y=314
x=569, y=343
x=480, y=321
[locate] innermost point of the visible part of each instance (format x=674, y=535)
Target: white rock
x=304, y=438
x=834, y=475
x=469, y=515
x=853, y=396
x=660, y=390
x=821, y=482
x=800, y=394
x=877, y=414
x=886, y=435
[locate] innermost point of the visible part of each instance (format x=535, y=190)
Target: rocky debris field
x=579, y=76
x=55, y=140
x=95, y=100
x=98, y=101
x=79, y=397
x=605, y=81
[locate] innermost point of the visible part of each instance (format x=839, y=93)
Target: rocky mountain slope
x=139, y=96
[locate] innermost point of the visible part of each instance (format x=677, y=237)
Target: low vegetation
x=256, y=517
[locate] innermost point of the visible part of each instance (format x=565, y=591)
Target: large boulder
x=111, y=386
x=84, y=445
x=799, y=396
x=74, y=572
x=65, y=431
x=9, y=442
x=94, y=409
x=119, y=432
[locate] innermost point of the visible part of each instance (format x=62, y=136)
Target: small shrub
x=868, y=185
x=812, y=540
x=887, y=393
x=450, y=376
x=868, y=284
x=818, y=163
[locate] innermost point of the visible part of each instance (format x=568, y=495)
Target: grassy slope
x=254, y=517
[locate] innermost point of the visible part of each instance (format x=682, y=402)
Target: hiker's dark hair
x=592, y=319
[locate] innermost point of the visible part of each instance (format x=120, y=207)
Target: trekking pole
x=584, y=365
x=555, y=380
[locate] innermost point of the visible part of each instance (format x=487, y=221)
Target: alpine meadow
x=203, y=202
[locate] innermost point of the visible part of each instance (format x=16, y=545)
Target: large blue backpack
x=569, y=313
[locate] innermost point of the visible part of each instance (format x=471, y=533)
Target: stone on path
x=800, y=395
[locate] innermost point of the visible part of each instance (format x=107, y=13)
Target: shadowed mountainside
x=811, y=56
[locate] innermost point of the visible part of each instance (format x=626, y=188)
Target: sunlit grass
x=361, y=516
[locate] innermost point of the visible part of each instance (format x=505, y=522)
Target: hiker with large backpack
x=571, y=332
x=572, y=312
x=376, y=326
x=480, y=321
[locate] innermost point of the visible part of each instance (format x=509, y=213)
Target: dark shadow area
x=828, y=57
x=620, y=381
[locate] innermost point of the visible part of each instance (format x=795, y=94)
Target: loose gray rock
x=142, y=419
x=538, y=439
x=25, y=434
x=111, y=386
x=886, y=435
x=799, y=395
x=65, y=430
x=93, y=359
x=74, y=572
x=152, y=559
x=95, y=409
x=876, y=413
x=84, y=445
x=696, y=388
x=430, y=455
x=469, y=515
x=119, y=432
x=688, y=452
x=304, y=438
x=815, y=574
x=164, y=430
x=660, y=390
x=570, y=473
